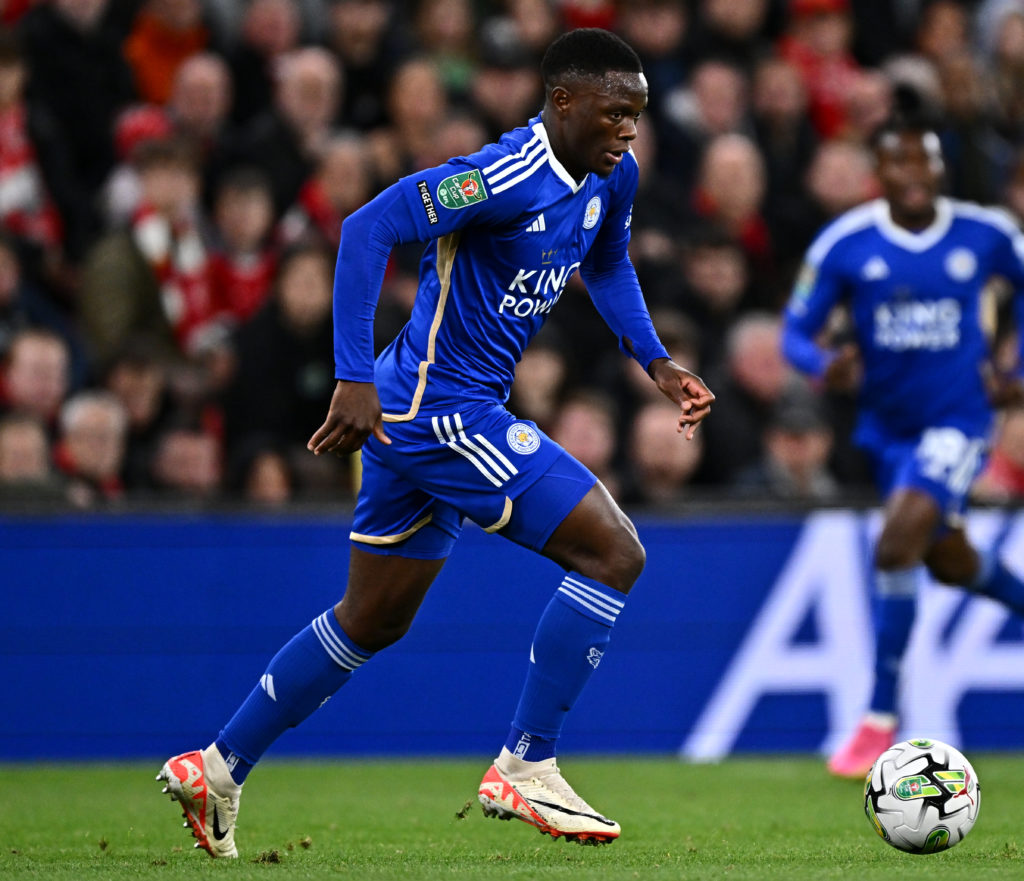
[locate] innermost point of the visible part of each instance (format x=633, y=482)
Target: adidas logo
x=538, y=225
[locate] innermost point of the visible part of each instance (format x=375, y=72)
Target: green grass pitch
x=764, y=818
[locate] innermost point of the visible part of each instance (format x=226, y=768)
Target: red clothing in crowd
x=241, y=284
x=26, y=209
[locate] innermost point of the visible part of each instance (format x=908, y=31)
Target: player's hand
x=1004, y=389
x=845, y=371
x=686, y=389
x=354, y=415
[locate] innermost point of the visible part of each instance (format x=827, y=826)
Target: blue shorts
x=481, y=462
x=941, y=463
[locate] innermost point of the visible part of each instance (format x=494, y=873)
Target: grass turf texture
x=770, y=818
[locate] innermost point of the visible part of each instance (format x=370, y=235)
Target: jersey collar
x=914, y=241
x=557, y=166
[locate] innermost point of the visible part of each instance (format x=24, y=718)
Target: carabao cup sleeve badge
x=523, y=439
x=459, y=190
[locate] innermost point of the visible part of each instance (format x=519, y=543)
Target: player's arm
x=817, y=290
x=421, y=207
x=1007, y=390
x=613, y=286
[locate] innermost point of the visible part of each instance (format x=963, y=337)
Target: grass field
x=743, y=819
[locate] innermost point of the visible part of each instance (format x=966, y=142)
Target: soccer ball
x=922, y=796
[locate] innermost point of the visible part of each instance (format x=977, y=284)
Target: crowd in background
x=174, y=175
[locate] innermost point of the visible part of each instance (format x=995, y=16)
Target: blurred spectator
x=164, y=34
x=341, y=183
x=36, y=375
x=589, y=14
x=657, y=31
x=662, y=462
x=1013, y=192
x=242, y=262
x=154, y=277
x=794, y=466
x=714, y=104
x=80, y=78
x=363, y=35
x=91, y=447
x=716, y=280
x=457, y=134
x=24, y=305
x=729, y=195
x=734, y=31
x=285, y=363
x=657, y=223
x=187, y=464
x=269, y=30
x=586, y=427
x=229, y=20
x=1002, y=481
x=416, y=103
x=749, y=383
x=260, y=473
x=287, y=140
x=507, y=88
x=200, y=102
x=122, y=191
x=138, y=378
x=818, y=43
x=445, y=32
x=534, y=23
x=869, y=103
x=542, y=376
x=943, y=30
x=25, y=473
x=978, y=157
x=26, y=209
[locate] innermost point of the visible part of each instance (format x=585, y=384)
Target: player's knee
x=374, y=633
x=894, y=552
x=621, y=566
x=953, y=570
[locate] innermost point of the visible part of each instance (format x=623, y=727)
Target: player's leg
x=911, y=518
x=953, y=560
x=380, y=602
x=598, y=546
x=400, y=540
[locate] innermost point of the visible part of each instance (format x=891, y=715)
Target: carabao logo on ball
x=523, y=439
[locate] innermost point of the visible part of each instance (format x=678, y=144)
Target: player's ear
x=560, y=98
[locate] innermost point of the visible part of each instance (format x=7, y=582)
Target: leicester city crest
x=593, y=213
x=522, y=438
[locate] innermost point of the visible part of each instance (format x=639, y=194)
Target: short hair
x=75, y=408
x=587, y=52
x=911, y=116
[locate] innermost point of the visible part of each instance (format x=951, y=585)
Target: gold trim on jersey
x=506, y=515
x=446, y=248
x=390, y=539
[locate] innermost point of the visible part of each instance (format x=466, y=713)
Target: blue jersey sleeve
x=611, y=279
x=421, y=207
x=818, y=288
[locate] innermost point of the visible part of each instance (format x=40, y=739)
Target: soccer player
x=506, y=228
x=910, y=267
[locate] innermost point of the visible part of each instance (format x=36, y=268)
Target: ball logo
x=523, y=439
x=593, y=213
x=469, y=188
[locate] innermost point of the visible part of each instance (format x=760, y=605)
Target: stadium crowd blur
x=174, y=174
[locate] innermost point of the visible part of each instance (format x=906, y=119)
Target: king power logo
x=955, y=646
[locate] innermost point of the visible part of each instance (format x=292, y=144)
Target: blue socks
x=996, y=581
x=895, y=597
x=314, y=664
x=571, y=637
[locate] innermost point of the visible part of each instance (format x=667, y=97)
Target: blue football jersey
x=915, y=300
x=507, y=227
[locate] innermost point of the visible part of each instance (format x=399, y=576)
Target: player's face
x=597, y=121
x=910, y=169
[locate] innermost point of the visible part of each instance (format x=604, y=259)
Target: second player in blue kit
x=911, y=269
